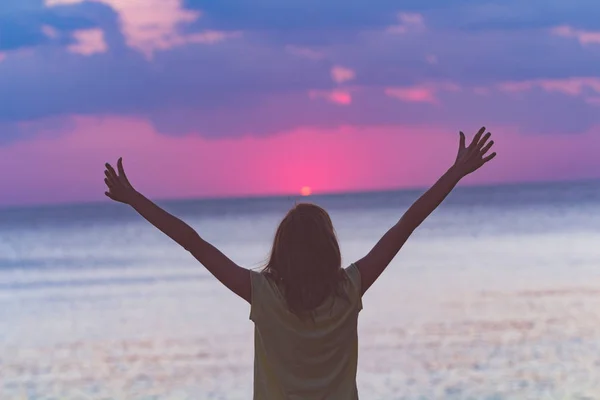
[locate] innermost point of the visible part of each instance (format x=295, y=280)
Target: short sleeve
x=257, y=283
x=264, y=296
x=355, y=290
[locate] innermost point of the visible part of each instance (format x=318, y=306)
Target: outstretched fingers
x=109, y=180
x=122, y=170
x=483, y=141
x=488, y=158
x=462, y=144
x=486, y=148
x=110, y=173
x=477, y=138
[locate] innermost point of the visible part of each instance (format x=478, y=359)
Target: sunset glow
x=237, y=99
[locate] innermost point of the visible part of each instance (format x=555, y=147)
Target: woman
x=304, y=304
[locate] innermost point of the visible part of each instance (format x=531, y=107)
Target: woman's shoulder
x=352, y=285
x=353, y=275
x=264, y=286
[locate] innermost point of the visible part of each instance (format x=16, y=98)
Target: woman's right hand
x=119, y=188
x=470, y=159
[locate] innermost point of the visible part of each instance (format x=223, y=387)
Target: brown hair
x=305, y=261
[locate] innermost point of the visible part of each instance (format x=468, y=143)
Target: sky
x=207, y=98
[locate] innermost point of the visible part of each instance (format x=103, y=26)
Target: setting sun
x=306, y=191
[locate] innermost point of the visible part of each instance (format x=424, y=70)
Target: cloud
x=210, y=37
x=570, y=86
x=50, y=32
x=88, y=42
x=155, y=25
x=584, y=37
x=425, y=93
x=514, y=87
x=305, y=52
x=337, y=96
x=573, y=86
x=593, y=100
x=407, y=22
x=587, y=88
x=175, y=64
x=315, y=16
x=414, y=94
x=481, y=91
x=342, y=74
x=431, y=59
x=27, y=24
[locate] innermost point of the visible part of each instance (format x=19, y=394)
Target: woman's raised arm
x=468, y=160
x=236, y=278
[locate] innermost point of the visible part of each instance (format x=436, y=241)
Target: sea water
x=496, y=296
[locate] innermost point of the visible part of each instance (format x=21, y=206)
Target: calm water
x=497, y=296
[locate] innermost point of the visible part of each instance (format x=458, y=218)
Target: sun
x=306, y=191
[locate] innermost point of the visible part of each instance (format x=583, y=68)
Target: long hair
x=305, y=261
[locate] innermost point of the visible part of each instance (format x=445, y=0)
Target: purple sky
x=207, y=98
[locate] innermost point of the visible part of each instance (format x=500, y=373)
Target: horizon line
x=264, y=196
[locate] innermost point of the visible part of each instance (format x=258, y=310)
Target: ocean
x=496, y=296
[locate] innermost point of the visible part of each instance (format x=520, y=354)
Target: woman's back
x=297, y=357
x=305, y=358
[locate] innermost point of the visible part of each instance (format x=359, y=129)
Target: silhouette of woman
x=304, y=304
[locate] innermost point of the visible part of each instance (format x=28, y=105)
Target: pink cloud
x=482, y=91
x=2, y=57
x=154, y=25
x=88, y=42
x=426, y=93
x=209, y=37
x=513, y=87
x=584, y=37
x=68, y=167
x=337, y=96
x=341, y=74
x=593, y=101
x=571, y=86
x=305, y=52
x=431, y=59
x=413, y=94
x=50, y=32
x=407, y=22
x=574, y=86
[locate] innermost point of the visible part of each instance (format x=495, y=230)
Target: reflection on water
x=530, y=344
